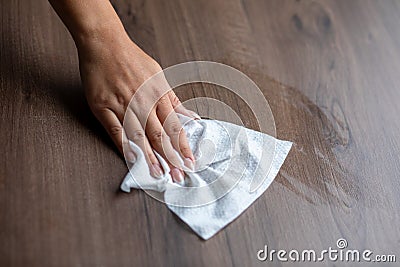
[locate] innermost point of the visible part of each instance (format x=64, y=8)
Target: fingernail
x=155, y=170
x=189, y=163
x=130, y=156
x=177, y=176
x=195, y=115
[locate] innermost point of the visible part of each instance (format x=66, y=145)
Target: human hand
x=112, y=69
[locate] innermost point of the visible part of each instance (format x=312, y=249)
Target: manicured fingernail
x=155, y=170
x=177, y=176
x=189, y=163
x=130, y=156
x=195, y=115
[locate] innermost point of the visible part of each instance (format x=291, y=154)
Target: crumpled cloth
x=234, y=166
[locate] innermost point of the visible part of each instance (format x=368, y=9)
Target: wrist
x=90, y=20
x=100, y=33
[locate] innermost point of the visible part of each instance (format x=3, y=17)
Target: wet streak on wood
x=329, y=70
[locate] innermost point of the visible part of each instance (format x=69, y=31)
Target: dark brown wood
x=330, y=71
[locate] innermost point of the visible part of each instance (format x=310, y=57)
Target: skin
x=112, y=69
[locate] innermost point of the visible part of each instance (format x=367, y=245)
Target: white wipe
x=234, y=166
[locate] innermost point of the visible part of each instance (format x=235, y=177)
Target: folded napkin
x=234, y=166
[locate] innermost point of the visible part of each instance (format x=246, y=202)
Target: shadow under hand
x=43, y=74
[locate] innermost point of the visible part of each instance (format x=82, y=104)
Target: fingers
x=163, y=132
x=179, y=108
x=173, y=128
x=114, y=129
x=161, y=142
x=136, y=134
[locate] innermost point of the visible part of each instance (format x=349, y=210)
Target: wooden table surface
x=330, y=71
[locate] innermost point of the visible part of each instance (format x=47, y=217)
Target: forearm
x=89, y=20
x=112, y=70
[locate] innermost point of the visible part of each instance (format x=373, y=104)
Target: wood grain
x=330, y=71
